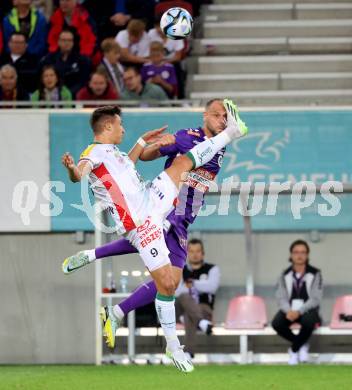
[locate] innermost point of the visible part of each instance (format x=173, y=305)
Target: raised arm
x=152, y=152
x=75, y=173
x=155, y=139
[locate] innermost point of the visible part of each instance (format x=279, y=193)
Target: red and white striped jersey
x=116, y=183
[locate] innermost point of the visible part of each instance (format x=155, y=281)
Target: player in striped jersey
x=140, y=210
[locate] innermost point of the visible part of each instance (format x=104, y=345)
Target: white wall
x=24, y=157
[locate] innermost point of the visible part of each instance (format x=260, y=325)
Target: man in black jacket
x=299, y=294
x=195, y=296
x=24, y=63
x=73, y=68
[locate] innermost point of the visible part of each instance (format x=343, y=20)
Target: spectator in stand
x=26, y=19
x=173, y=48
x=136, y=90
x=71, y=14
x=174, y=53
x=9, y=89
x=299, y=293
x=134, y=43
x=73, y=68
x=50, y=87
x=195, y=296
x=110, y=64
x=25, y=63
x=99, y=88
x=159, y=72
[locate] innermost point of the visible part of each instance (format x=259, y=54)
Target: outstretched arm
x=152, y=152
x=75, y=173
x=150, y=137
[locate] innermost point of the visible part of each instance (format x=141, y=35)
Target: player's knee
x=183, y=163
x=169, y=286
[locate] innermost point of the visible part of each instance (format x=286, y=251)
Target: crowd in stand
x=63, y=50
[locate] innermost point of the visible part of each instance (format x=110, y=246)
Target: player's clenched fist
x=68, y=161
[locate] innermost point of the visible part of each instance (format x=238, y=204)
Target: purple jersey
x=166, y=71
x=191, y=196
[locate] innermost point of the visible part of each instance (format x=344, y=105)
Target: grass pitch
x=168, y=378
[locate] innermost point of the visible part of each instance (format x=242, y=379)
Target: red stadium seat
x=246, y=312
x=343, y=305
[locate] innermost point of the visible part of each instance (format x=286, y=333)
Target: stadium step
x=278, y=28
x=271, y=81
x=284, y=11
x=230, y=46
x=274, y=64
x=281, y=98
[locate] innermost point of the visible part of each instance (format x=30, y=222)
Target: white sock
x=206, y=150
x=165, y=308
x=203, y=325
x=91, y=254
x=118, y=312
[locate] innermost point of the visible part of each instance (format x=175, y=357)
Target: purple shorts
x=176, y=241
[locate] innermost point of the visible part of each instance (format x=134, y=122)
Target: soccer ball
x=176, y=23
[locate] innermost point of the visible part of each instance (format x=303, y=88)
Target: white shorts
x=149, y=238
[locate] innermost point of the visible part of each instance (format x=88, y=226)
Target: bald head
x=8, y=78
x=214, y=117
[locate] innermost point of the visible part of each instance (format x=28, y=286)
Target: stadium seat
x=343, y=305
x=246, y=312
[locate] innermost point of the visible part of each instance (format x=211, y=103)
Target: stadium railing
x=79, y=104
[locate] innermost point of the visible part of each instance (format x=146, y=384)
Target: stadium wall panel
x=46, y=317
x=24, y=161
x=281, y=146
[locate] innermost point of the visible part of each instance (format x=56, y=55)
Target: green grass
x=168, y=378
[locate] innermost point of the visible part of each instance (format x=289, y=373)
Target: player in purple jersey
x=190, y=200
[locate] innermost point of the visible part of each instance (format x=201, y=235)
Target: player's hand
x=157, y=79
x=154, y=135
x=68, y=161
x=120, y=19
x=166, y=140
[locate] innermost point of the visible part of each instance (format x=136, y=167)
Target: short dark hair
x=109, y=44
x=210, y=102
x=76, y=38
x=103, y=113
x=19, y=33
x=68, y=29
x=133, y=68
x=196, y=241
x=299, y=242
